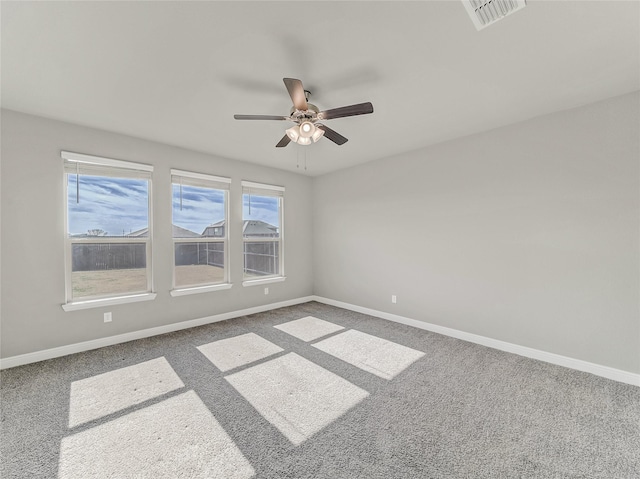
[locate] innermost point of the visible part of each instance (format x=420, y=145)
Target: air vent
x=486, y=12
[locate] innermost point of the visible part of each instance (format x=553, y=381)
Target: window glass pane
x=261, y=215
x=264, y=211
x=199, y=214
x=261, y=258
x=196, y=209
x=199, y=263
x=105, y=206
x=105, y=269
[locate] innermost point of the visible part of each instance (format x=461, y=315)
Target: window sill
x=98, y=303
x=258, y=282
x=200, y=289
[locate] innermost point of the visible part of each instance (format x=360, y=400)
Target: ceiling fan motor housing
x=310, y=114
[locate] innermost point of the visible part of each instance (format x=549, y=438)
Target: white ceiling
x=176, y=72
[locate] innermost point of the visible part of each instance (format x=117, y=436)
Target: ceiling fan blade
x=296, y=92
x=332, y=135
x=260, y=117
x=284, y=142
x=351, y=110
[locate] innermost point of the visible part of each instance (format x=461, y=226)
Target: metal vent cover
x=486, y=12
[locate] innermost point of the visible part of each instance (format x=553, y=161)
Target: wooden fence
x=104, y=256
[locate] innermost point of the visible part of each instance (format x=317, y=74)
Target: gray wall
x=527, y=234
x=33, y=236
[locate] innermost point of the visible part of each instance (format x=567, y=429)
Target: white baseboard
x=597, y=369
x=34, y=357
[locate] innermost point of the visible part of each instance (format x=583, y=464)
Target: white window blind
x=200, y=180
x=260, y=189
x=78, y=163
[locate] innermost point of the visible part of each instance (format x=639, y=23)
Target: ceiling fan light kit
x=305, y=133
x=293, y=133
x=317, y=134
x=307, y=130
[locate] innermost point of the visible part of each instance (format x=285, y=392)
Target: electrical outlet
x=266, y=290
x=394, y=300
x=108, y=317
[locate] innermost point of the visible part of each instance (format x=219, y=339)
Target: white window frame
x=79, y=163
x=206, y=181
x=262, y=189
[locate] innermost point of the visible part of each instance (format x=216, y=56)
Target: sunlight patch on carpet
x=177, y=437
x=295, y=395
x=378, y=356
x=231, y=353
x=308, y=328
x=104, y=394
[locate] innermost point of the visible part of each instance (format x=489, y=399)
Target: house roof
x=179, y=232
x=139, y=233
x=208, y=230
x=215, y=225
x=258, y=228
x=249, y=228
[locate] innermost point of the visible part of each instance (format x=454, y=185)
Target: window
x=200, y=231
x=108, y=228
x=262, y=232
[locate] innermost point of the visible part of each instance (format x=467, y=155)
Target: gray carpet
x=366, y=403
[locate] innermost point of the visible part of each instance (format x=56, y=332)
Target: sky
x=114, y=205
x=263, y=208
x=120, y=206
x=201, y=207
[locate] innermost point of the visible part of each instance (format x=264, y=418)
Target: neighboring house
x=215, y=230
x=144, y=232
x=260, y=256
x=259, y=228
x=179, y=232
x=249, y=228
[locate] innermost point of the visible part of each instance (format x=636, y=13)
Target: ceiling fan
x=306, y=117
